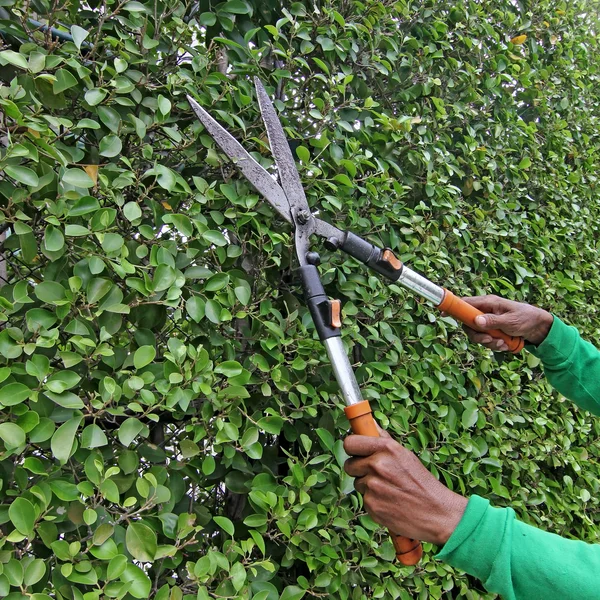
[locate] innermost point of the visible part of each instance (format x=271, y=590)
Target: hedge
x=170, y=426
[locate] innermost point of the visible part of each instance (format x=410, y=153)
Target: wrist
x=455, y=509
x=541, y=329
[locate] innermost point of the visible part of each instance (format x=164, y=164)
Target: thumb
x=489, y=321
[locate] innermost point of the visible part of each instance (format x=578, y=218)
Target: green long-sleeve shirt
x=516, y=560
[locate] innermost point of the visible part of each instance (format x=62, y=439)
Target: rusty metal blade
x=288, y=174
x=257, y=175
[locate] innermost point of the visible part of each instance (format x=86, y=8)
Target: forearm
x=518, y=561
x=571, y=365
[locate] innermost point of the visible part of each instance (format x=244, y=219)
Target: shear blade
x=257, y=175
x=286, y=167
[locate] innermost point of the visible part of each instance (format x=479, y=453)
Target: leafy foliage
x=170, y=424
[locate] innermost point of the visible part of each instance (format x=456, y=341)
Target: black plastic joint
x=372, y=256
x=319, y=304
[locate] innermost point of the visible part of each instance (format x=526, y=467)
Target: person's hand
x=514, y=318
x=399, y=492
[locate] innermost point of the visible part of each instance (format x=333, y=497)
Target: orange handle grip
x=408, y=551
x=466, y=313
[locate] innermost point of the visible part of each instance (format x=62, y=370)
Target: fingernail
x=480, y=320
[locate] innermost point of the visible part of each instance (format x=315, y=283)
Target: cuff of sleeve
x=558, y=345
x=474, y=544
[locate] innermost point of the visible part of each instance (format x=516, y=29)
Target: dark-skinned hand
x=514, y=318
x=399, y=492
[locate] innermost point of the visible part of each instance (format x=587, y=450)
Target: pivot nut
x=303, y=217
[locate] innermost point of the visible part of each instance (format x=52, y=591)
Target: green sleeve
x=571, y=365
x=518, y=561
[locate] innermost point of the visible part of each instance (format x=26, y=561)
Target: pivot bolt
x=313, y=258
x=303, y=216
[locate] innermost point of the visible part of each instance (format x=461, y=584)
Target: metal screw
x=313, y=258
x=303, y=216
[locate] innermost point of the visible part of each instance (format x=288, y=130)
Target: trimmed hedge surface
x=170, y=426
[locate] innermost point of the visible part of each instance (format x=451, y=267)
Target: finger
x=494, y=321
x=489, y=303
x=362, y=445
x=383, y=433
x=360, y=485
x=357, y=467
x=500, y=345
x=478, y=337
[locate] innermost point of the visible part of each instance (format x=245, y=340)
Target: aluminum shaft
x=343, y=370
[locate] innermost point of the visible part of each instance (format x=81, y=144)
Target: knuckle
x=378, y=466
x=390, y=444
x=376, y=486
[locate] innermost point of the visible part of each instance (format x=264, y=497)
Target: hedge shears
x=289, y=200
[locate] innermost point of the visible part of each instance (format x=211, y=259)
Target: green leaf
x=12, y=435
x=238, y=576
x=63, y=380
x=93, y=437
x=140, y=584
x=95, y=96
x=110, y=117
x=79, y=35
x=213, y=311
x=343, y=179
x=229, y=368
x=225, y=524
x=141, y=542
x=132, y=211
x=34, y=572
x=10, y=57
x=164, y=105
x=66, y=400
x=195, y=308
x=129, y=430
x=237, y=7
x=13, y=569
x=188, y=448
x=84, y=206
x=292, y=592
x=116, y=567
x=326, y=43
x=243, y=292
x=49, y=291
x=303, y=154
x=64, y=438
x=215, y=237
x=135, y=6
x=110, y=146
x=97, y=289
x=470, y=414
x=207, y=19
x=525, y=163
x=217, y=282
x=78, y=178
x=54, y=239
x=164, y=277
x=144, y=356
x=22, y=515
x=76, y=231
x=13, y=394
x=23, y=175
x=64, y=81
